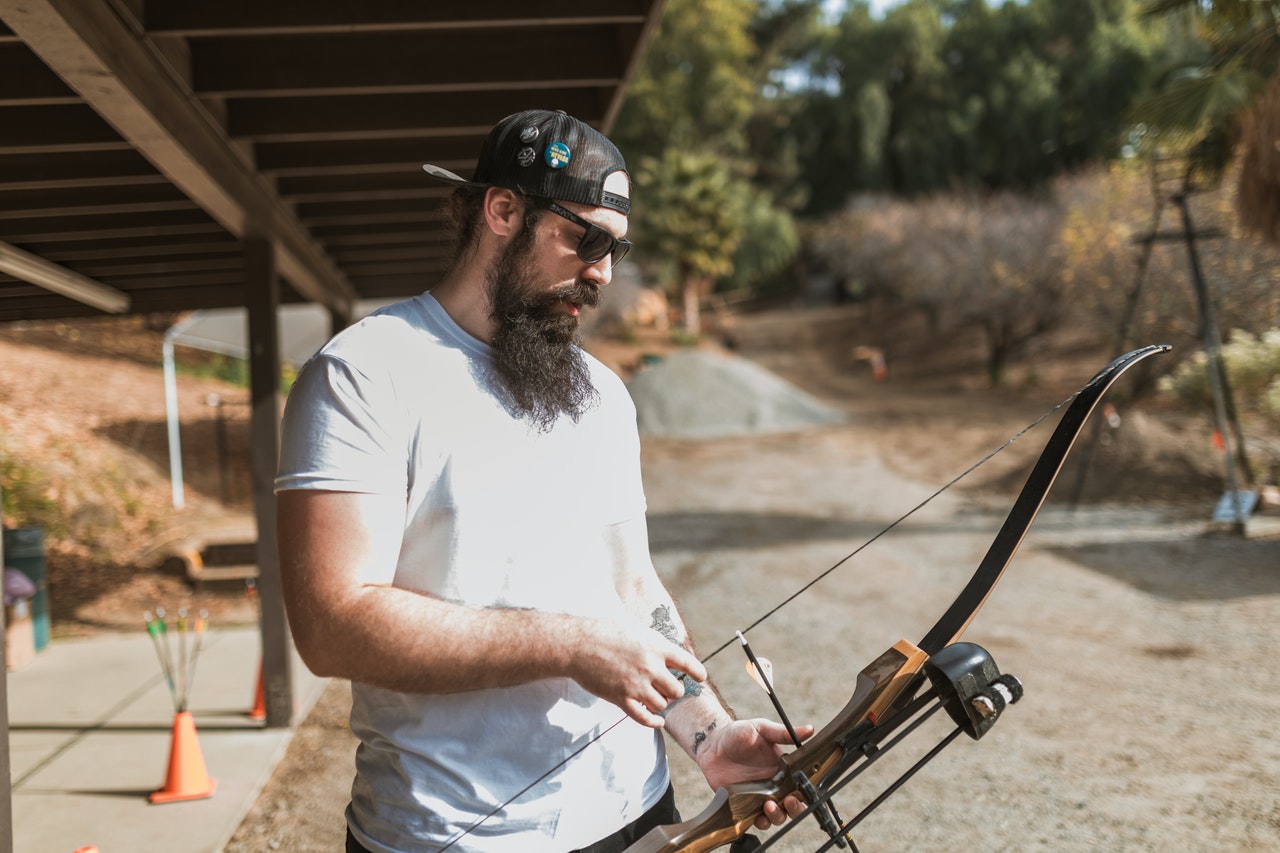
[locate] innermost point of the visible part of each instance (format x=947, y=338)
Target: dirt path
x=1146, y=648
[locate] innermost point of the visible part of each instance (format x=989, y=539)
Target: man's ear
x=503, y=211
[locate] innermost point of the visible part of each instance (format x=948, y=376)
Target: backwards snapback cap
x=548, y=154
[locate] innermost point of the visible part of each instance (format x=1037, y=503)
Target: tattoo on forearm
x=701, y=737
x=664, y=624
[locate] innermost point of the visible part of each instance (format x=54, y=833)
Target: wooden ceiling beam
x=46, y=171
x=174, y=267
x=100, y=56
x=58, y=279
x=90, y=228
x=378, y=234
x=444, y=115
x=415, y=251
x=411, y=183
x=252, y=17
x=29, y=204
x=238, y=67
x=365, y=157
x=123, y=250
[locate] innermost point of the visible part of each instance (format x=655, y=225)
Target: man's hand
x=631, y=667
x=749, y=749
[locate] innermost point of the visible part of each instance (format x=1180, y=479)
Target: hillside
x=82, y=411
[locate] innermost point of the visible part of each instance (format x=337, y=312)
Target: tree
x=988, y=262
x=943, y=94
x=1224, y=100
x=714, y=160
x=695, y=209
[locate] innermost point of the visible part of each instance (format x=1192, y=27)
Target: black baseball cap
x=549, y=154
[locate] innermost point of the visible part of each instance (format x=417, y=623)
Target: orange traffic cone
x=259, y=709
x=187, y=778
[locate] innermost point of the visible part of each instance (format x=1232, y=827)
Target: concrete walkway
x=91, y=726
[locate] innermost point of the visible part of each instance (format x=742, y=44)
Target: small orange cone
x=187, y=778
x=259, y=709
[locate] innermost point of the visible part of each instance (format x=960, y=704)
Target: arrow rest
x=971, y=688
x=964, y=680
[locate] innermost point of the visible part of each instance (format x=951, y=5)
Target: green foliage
x=1252, y=365
x=940, y=95
x=698, y=85
x=227, y=368
x=770, y=239
x=24, y=497
x=714, y=166
x=694, y=211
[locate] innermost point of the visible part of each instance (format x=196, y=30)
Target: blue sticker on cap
x=557, y=155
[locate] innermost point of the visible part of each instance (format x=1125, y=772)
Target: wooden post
x=262, y=298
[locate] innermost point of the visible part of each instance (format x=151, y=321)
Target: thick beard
x=537, y=362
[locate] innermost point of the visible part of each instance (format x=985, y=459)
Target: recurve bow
x=889, y=682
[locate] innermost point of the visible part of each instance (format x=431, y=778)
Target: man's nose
x=601, y=272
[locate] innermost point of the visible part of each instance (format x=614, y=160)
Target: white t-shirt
x=497, y=514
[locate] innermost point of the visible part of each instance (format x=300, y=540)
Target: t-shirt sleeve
x=342, y=431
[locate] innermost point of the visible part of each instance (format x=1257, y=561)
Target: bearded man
x=462, y=535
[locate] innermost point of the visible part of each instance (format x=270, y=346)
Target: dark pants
x=663, y=812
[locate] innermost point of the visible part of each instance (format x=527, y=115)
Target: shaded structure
x=165, y=156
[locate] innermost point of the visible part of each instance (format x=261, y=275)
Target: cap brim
x=446, y=175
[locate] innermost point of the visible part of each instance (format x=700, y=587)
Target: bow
x=884, y=695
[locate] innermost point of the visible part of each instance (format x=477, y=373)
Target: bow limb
x=970, y=600
x=889, y=682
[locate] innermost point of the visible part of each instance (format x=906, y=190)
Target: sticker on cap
x=557, y=155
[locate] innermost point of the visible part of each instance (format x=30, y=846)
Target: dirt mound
x=708, y=394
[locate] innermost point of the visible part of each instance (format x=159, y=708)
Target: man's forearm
x=414, y=643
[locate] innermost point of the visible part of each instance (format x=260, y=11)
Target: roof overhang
x=142, y=140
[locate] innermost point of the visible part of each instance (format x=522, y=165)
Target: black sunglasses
x=596, y=242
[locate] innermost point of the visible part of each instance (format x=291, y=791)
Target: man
x=462, y=535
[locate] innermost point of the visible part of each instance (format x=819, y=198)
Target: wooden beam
x=44, y=228
x=253, y=17
x=415, y=251
x=99, y=56
x=60, y=280
x=411, y=115
x=155, y=198
x=168, y=267
x=365, y=156
x=178, y=246
x=365, y=63
x=45, y=171
x=262, y=298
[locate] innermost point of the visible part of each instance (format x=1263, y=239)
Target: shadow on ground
x=1207, y=568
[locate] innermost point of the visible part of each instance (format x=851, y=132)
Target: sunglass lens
x=595, y=244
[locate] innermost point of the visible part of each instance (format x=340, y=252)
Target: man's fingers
x=639, y=712
x=775, y=815
x=681, y=660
